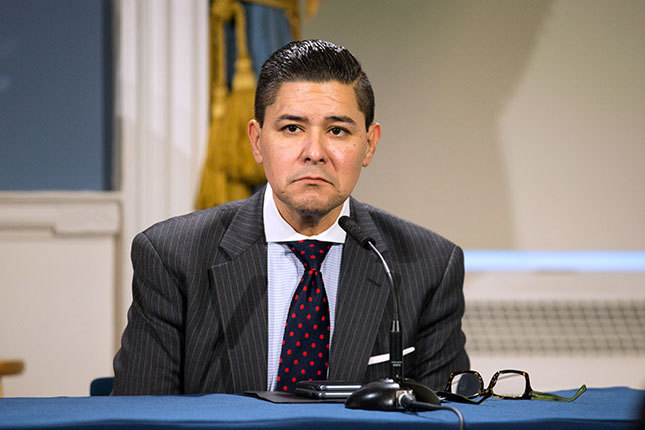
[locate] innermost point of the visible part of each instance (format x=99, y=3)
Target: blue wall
x=55, y=95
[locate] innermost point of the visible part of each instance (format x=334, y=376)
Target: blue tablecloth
x=606, y=408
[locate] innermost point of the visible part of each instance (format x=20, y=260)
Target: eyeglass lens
x=467, y=384
x=510, y=385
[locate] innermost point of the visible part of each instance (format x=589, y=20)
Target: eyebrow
x=341, y=119
x=334, y=118
x=287, y=117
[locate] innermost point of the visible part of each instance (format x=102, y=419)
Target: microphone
x=352, y=228
x=398, y=392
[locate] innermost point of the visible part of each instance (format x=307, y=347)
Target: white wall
x=57, y=287
x=506, y=124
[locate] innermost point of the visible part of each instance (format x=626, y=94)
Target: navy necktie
x=305, y=345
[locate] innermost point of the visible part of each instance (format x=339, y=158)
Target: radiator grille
x=591, y=328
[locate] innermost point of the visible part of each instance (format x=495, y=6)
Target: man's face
x=313, y=145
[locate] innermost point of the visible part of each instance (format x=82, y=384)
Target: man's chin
x=315, y=206
x=314, y=209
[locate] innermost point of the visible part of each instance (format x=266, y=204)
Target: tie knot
x=310, y=252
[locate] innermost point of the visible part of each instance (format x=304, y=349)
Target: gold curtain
x=230, y=171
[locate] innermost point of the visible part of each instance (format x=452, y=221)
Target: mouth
x=313, y=180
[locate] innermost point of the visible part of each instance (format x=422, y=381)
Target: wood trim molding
x=60, y=214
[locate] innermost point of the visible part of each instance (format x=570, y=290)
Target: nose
x=314, y=149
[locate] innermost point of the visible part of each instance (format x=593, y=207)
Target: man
x=221, y=299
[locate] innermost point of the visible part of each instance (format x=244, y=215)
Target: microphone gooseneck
x=352, y=228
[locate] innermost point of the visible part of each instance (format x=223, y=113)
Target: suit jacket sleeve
x=150, y=358
x=439, y=338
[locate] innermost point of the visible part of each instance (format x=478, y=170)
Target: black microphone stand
x=396, y=392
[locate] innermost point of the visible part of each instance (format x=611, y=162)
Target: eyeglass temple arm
x=539, y=395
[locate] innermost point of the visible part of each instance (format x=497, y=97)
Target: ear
x=255, y=131
x=373, y=136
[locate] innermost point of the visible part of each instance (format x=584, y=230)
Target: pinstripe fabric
x=198, y=321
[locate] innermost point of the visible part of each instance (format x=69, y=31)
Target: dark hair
x=312, y=61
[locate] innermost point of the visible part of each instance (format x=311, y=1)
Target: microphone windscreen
x=352, y=228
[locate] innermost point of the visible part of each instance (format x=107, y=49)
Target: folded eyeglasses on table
x=465, y=386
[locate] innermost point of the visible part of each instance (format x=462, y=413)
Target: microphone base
x=385, y=395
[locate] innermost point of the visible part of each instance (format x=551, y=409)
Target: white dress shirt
x=285, y=271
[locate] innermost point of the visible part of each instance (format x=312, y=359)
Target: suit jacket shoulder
x=205, y=238
x=404, y=240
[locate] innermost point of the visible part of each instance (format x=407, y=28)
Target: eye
x=338, y=131
x=290, y=128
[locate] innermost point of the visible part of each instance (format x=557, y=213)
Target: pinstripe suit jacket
x=198, y=321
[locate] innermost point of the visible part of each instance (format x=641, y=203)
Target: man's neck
x=277, y=229
x=308, y=224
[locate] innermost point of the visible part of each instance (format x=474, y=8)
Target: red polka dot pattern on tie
x=308, y=316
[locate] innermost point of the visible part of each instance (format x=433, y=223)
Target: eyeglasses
x=506, y=384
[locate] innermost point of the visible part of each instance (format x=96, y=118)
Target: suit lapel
x=362, y=296
x=239, y=284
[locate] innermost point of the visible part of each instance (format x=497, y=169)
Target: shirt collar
x=276, y=229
